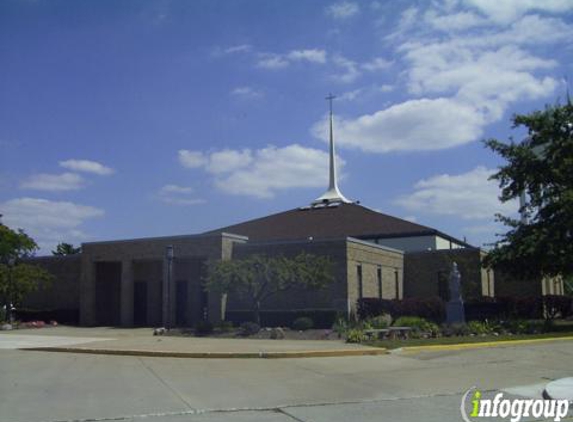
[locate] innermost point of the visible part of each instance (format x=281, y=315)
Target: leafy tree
x=66, y=249
x=541, y=167
x=18, y=278
x=259, y=277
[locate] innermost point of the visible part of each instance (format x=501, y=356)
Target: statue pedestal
x=455, y=312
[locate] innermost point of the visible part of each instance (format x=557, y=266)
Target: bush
x=557, y=306
x=479, y=327
x=380, y=322
x=203, y=328
x=249, y=328
x=225, y=326
x=302, y=324
x=418, y=325
x=355, y=335
x=322, y=318
x=340, y=326
x=457, y=330
x=432, y=308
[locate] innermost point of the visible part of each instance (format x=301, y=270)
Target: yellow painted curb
x=214, y=355
x=500, y=343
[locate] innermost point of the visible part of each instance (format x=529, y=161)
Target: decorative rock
x=277, y=333
x=6, y=327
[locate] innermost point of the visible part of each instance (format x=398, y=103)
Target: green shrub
x=355, y=336
x=380, y=322
x=302, y=324
x=203, y=328
x=456, y=330
x=479, y=327
x=249, y=328
x=418, y=325
x=225, y=326
x=340, y=326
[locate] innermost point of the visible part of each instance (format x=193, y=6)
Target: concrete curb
x=215, y=355
x=485, y=344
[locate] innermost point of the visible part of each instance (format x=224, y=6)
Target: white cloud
x=461, y=82
x=48, y=222
x=53, y=182
x=86, y=166
x=228, y=160
x=376, y=64
x=272, y=61
x=343, y=10
x=410, y=126
x=264, y=172
x=469, y=196
x=191, y=159
x=234, y=49
x=178, y=195
x=350, y=70
x=506, y=11
x=246, y=92
x=310, y=55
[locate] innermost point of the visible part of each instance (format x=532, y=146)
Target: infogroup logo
x=511, y=409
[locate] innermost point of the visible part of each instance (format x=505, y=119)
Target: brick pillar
x=126, y=303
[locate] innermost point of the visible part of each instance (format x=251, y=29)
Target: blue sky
x=122, y=119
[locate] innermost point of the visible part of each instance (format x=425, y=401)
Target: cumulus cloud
x=53, y=182
x=264, y=172
x=191, y=159
x=275, y=61
x=503, y=12
x=48, y=222
x=86, y=166
x=170, y=189
x=310, y=55
x=460, y=82
x=426, y=124
x=469, y=196
x=343, y=10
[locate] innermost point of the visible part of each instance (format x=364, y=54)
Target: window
x=397, y=283
x=359, y=277
x=379, y=275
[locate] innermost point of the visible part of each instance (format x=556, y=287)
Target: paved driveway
x=48, y=387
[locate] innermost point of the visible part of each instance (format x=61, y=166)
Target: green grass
x=395, y=344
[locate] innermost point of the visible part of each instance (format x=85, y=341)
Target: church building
x=158, y=281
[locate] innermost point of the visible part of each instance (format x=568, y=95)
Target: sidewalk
x=141, y=342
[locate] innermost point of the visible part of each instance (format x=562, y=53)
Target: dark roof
x=344, y=220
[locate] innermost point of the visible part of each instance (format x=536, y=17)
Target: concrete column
x=126, y=301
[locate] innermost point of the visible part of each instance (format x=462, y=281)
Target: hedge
x=321, y=318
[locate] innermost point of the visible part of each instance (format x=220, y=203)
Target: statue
x=455, y=313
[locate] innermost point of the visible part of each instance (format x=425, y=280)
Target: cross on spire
x=333, y=194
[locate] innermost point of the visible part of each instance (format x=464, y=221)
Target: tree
x=18, y=278
x=66, y=249
x=259, y=277
x=540, y=244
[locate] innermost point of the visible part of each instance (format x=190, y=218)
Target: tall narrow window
x=397, y=283
x=379, y=275
x=359, y=278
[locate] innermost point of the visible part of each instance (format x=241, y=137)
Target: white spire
x=333, y=194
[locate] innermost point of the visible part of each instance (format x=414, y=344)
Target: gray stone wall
x=370, y=258
x=128, y=252
x=64, y=291
x=424, y=270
